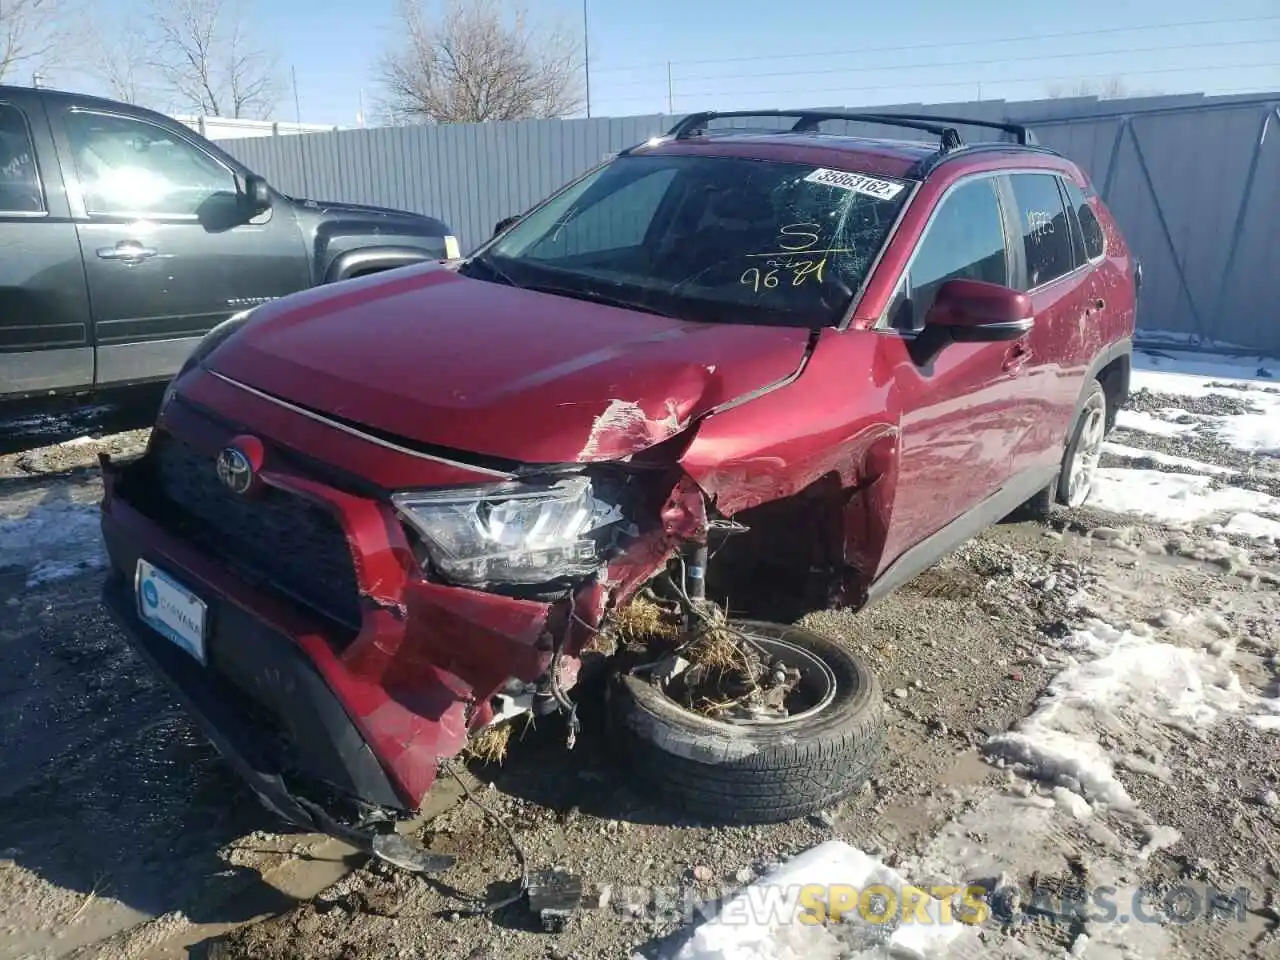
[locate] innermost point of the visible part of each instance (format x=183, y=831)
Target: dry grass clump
x=490, y=744
x=643, y=624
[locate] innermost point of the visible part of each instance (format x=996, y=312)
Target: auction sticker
x=857, y=182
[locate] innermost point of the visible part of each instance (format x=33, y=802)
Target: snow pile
x=1119, y=690
x=52, y=540
x=1174, y=497
x=767, y=920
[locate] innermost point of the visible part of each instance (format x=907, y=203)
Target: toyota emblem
x=234, y=470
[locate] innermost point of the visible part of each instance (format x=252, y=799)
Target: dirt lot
x=1147, y=655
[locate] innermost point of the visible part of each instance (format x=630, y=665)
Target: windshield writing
x=707, y=238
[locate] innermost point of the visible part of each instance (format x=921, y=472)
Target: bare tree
x=481, y=61
x=194, y=56
x=36, y=35
x=121, y=60
x=1114, y=89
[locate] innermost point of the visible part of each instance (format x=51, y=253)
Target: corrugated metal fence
x=1194, y=182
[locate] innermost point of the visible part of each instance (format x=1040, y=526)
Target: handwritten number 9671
x=795, y=274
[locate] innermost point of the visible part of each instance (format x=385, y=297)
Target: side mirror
x=503, y=224
x=256, y=193
x=974, y=311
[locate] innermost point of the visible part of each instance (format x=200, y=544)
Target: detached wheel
x=759, y=771
x=1084, y=449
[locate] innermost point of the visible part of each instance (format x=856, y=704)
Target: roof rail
x=806, y=120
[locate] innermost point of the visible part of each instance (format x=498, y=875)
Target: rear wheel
x=1084, y=450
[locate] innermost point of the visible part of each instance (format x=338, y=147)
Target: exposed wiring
x=501, y=821
x=557, y=693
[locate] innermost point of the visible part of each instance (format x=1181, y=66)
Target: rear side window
x=1090, y=228
x=965, y=240
x=19, y=178
x=1042, y=221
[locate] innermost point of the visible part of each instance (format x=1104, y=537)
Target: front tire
x=724, y=772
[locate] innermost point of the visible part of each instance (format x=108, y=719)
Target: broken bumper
x=287, y=699
x=215, y=707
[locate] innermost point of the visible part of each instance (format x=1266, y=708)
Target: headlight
x=516, y=533
x=210, y=342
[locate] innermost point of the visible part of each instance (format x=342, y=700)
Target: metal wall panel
x=1194, y=182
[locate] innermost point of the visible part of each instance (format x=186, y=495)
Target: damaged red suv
x=380, y=518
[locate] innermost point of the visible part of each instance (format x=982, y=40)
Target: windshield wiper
x=495, y=271
x=596, y=297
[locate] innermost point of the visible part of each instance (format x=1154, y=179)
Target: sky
x=744, y=54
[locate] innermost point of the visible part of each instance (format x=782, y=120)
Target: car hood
x=329, y=216
x=430, y=355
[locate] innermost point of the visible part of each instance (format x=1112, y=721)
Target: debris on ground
x=554, y=897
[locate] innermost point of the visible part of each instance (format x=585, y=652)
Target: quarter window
x=1090, y=229
x=129, y=166
x=1042, y=221
x=20, y=190
x=965, y=240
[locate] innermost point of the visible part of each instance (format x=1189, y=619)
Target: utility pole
x=586, y=54
x=670, y=94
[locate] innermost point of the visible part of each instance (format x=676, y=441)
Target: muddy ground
x=123, y=835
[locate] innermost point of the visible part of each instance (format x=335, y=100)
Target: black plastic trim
x=249, y=663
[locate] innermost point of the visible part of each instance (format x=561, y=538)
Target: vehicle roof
x=908, y=159
x=79, y=99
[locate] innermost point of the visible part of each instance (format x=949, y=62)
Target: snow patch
x=1174, y=497
x=1251, y=432
x=1123, y=452
x=1199, y=376
x=1187, y=364
x=1251, y=525
x=52, y=540
x=764, y=921
x=1120, y=689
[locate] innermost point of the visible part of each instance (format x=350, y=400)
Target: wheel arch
x=366, y=260
x=1112, y=368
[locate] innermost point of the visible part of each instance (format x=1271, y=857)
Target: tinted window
x=1090, y=228
x=965, y=240
x=1042, y=219
x=19, y=180
x=130, y=166
x=713, y=239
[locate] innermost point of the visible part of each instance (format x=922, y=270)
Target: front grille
x=273, y=539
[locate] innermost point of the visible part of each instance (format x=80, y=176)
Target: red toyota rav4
x=378, y=518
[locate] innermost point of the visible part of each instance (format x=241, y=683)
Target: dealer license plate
x=171, y=609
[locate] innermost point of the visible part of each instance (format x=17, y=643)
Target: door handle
x=130, y=250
